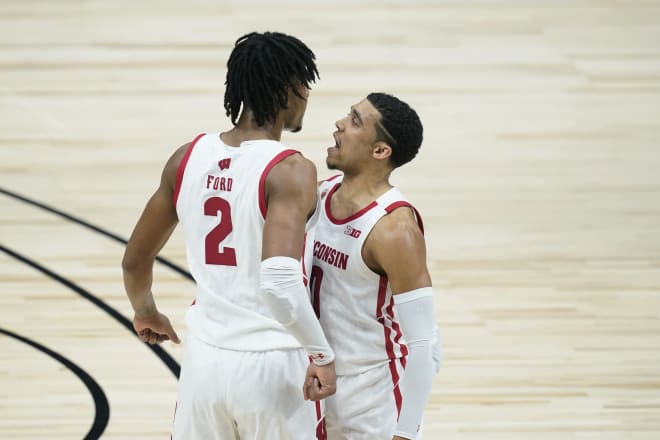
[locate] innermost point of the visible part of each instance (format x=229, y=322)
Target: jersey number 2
x=214, y=254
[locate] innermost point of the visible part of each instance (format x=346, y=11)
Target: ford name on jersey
x=219, y=183
x=330, y=255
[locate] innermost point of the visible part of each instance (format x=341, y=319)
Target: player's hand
x=155, y=329
x=320, y=381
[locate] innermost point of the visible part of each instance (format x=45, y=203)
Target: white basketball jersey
x=354, y=304
x=220, y=201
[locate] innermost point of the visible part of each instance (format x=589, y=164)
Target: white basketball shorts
x=232, y=395
x=365, y=406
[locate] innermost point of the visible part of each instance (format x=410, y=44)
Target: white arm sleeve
x=437, y=349
x=416, y=316
x=285, y=295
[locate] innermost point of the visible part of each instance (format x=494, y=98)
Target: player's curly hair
x=261, y=69
x=399, y=126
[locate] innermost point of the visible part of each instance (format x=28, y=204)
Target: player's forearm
x=415, y=313
x=137, y=283
x=415, y=388
x=285, y=295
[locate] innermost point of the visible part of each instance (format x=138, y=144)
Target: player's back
x=220, y=202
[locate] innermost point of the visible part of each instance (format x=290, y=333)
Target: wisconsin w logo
x=224, y=164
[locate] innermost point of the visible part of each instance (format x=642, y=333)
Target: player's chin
x=296, y=129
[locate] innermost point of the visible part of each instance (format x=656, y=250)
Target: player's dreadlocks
x=399, y=126
x=261, y=69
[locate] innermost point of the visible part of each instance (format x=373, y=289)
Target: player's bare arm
x=151, y=232
x=291, y=198
x=396, y=248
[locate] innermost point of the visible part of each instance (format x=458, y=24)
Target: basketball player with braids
x=369, y=281
x=245, y=202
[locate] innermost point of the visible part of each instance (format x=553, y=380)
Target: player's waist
x=239, y=331
x=351, y=367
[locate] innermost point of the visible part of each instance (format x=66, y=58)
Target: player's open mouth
x=337, y=143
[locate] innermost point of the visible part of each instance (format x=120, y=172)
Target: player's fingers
x=308, y=383
x=153, y=337
x=329, y=390
x=172, y=336
x=320, y=395
x=314, y=390
x=305, y=393
x=316, y=395
x=144, y=335
x=311, y=394
x=324, y=390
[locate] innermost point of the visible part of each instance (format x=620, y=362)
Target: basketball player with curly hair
x=245, y=201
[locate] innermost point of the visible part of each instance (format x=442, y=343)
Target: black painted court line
x=101, y=406
x=94, y=228
x=157, y=349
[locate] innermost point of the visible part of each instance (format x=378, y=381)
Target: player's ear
x=381, y=150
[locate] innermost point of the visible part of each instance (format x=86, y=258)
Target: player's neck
x=247, y=129
x=363, y=188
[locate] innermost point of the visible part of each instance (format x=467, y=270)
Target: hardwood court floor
x=539, y=182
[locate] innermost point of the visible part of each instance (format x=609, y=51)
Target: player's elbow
x=281, y=309
x=422, y=350
x=132, y=262
x=278, y=276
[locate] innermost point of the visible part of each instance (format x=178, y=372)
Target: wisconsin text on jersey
x=330, y=255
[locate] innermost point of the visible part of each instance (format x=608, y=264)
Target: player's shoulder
x=398, y=229
x=296, y=159
x=400, y=218
x=294, y=167
x=293, y=178
x=180, y=152
x=177, y=159
x=395, y=240
x=184, y=150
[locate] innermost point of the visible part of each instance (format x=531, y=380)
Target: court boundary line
x=168, y=360
x=101, y=404
x=181, y=271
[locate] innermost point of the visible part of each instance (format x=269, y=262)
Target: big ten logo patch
x=351, y=231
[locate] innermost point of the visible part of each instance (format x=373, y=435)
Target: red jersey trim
x=389, y=345
x=262, y=180
x=398, y=397
x=321, y=433
x=401, y=203
x=182, y=168
x=352, y=217
x=397, y=331
x=383, y=311
x=304, y=269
